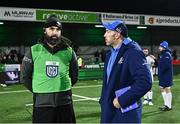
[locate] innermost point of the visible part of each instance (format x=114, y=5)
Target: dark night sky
x=154, y=7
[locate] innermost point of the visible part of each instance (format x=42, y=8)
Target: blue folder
x=122, y=91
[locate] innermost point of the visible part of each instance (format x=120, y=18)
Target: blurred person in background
x=2, y=75
x=150, y=62
x=97, y=56
x=165, y=75
x=2, y=69
x=103, y=55
x=80, y=62
x=49, y=70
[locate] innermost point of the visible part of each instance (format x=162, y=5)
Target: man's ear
x=117, y=34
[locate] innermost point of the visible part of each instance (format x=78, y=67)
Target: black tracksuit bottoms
x=60, y=114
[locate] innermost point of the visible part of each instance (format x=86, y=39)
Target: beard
x=52, y=40
x=146, y=55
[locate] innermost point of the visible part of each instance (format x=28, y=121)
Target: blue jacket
x=165, y=69
x=129, y=69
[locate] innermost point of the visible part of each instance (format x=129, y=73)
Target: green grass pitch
x=15, y=100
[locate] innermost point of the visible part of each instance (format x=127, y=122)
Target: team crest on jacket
x=52, y=68
x=121, y=60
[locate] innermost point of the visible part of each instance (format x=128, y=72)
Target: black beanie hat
x=52, y=20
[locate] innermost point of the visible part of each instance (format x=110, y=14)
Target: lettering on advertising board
x=127, y=18
x=162, y=20
x=69, y=16
x=17, y=14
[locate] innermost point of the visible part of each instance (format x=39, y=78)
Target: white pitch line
x=30, y=104
x=76, y=87
x=84, y=97
x=86, y=86
x=18, y=91
x=77, y=100
x=21, y=91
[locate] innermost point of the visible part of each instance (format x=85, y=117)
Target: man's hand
x=116, y=103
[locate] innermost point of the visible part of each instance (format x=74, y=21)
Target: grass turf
x=86, y=93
